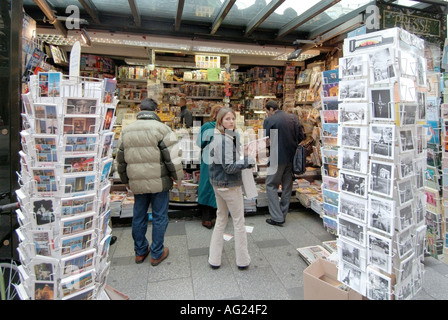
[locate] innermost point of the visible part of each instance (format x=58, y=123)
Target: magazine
x=312, y=253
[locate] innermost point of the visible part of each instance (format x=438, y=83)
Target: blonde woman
x=225, y=177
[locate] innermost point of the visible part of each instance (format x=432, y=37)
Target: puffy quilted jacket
x=148, y=156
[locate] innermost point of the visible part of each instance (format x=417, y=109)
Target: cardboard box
x=320, y=283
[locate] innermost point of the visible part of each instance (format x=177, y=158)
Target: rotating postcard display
x=64, y=211
x=382, y=160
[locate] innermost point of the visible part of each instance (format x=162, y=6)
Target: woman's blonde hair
x=222, y=112
x=214, y=111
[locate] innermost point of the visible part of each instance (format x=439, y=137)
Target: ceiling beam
x=335, y=23
x=135, y=13
x=306, y=16
x=262, y=15
x=45, y=8
x=91, y=10
x=225, y=8
x=180, y=9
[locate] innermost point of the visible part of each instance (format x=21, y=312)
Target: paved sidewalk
x=275, y=273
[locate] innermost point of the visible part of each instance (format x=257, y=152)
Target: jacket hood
x=147, y=115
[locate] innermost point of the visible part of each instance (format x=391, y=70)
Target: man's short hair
x=148, y=104
x=271, y=104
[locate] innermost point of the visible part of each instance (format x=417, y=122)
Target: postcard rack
x=64, y=214
x=379, y=160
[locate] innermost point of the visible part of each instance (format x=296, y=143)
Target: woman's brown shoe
x=207, y=224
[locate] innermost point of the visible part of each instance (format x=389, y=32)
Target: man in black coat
x=285, y=133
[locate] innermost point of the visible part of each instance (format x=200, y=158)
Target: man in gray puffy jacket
x=148, y=159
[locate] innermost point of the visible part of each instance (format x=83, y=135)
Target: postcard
x=432, y=200
x=352, y=254
x=408, y=63
x=408, y=114
x=79, y=183
x=353, y=183
x=420, y=208
x=104, y=198
x=81, y=106
x=78, y=263
x=381, y=215
x=382, y=178
x=49, y=84
x=352, y=230
x=85, y=294
x=79, y=223
x=77, y=205
x=330, y=183
x=379, y=286
x=379, y=252
x=331, y=211
x=330, y=224
x=43, y=242
x=109, y=90
x=77, y=282
x=43, y=211
x=330, y=156
x=45, y=111
x=106, y=143
x=382, y=66
x=79, y=163
x=353, y=137
x=353, y=160
x=352, y=277
x=353, y=207
x=106, y=166
x=404, y=242
x=382, y=141
x=330, y=170
x=76, y=243
x=80, y=125
x=45, y=148
x=75, y=143
x=382, y=103
x=329, y=116
x=27, y=102
x=44, y=290
x=109, y=119
x=420, y=235
x=330, y=197
x=351, y=90
x=406, y=165
x=405, y=190
x=44, y=180
x=104, y=223
x=330, y=104
x=421, y=71
x=405, y=216
x=353, y=66
x=406, y=139
x=353, y=113
x=44, y=125
x=421, y=105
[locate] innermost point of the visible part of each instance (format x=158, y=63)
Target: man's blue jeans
x=159, y=202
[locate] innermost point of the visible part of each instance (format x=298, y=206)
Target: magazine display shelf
x=64, y=214
x=381, y=162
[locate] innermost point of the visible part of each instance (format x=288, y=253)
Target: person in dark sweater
x=285, y=133
x=185, y=115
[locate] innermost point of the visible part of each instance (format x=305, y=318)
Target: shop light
x=85, y=37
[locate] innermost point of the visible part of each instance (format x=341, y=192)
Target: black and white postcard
x=382, y=141
x=406, y=139
x=352, y=230
x=379, y=252
x=353, y=160
x=353, y=207
x=352, y=254
x=404, y=271
x=420, y=235
x=420, y=208
x=405, y=190
x=351, y=90
x=405, y=216
x=43, y=211
x=382, y=103
x=404, y=242
x=353, y=66
x=81, y=106
x=421, y=105
x=408, y=63
x=379, y=286
x=406, y=166
x=382, y=176
x=353, y=137
x=353, y=113
x=408, y=113
x=352, y=277
x=353, y=183
x=382, y=66
x=381, y=215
